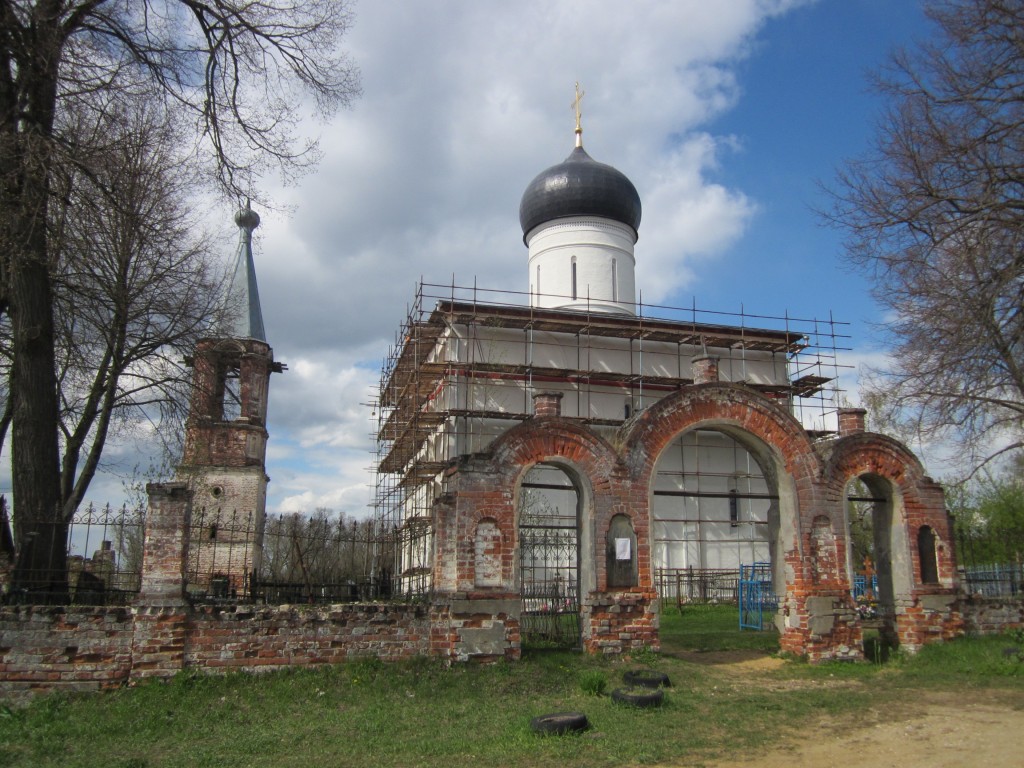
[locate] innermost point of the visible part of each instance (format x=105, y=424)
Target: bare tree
x=136, y=285
x=320, y=552
x=236, y=71
x=935, y=214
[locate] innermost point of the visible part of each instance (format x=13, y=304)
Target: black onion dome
x=579, y=186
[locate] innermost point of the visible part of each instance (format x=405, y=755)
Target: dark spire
x=246, y=317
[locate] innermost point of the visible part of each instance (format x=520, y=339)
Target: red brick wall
x=88, y=649
x=479, y=626
x=622, y=621
x=991, y=615
x=71, y=649
x=924, y=612
x=253, y=638
x=159, y=635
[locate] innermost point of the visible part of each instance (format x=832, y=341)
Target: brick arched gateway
x=612, y=618
x=920, y=599
x=476, y=543
x=779, y=445
x=487, y=486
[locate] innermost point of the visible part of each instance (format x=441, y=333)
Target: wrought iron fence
x=320, y=558
x=991, y=562
x=697, y=585
x=99, y=564
x=549, y=572
x=996, y=580
x=233, y=556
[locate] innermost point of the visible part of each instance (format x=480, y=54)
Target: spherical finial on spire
x=247, y=218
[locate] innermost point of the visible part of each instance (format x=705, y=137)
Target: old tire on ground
x=646, y=678
x=559, y=723
x=639, y=697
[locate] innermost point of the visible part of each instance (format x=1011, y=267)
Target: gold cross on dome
x=576, y=108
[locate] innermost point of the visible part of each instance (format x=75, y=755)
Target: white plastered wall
x=605, y=267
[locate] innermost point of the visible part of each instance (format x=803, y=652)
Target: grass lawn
x=422, y=713
x=711, y=628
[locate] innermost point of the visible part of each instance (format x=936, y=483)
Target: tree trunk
x=40, y=532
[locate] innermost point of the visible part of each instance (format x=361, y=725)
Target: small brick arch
x=588, y=458
x=488, y=489
x=890, y=471
x=553, y=439
x=585, y=456
x=917, y=502
x=868, y=453
x=921, y=500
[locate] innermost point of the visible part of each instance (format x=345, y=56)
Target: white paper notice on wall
x=622, y=549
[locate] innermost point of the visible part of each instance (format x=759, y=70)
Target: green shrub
x=593, y=682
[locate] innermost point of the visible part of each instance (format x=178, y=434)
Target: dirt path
x=935, y=730
x=945, y=733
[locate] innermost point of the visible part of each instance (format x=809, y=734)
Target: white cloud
x=694, y=219
x=464, y=102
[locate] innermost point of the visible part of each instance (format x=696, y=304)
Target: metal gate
x=757, y=599
x=549, y=560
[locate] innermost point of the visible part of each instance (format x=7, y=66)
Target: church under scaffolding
x=467, y=362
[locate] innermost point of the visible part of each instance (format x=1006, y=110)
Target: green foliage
x=365, y=670
x=980, y=660
x=593, y=682
x=989, y=519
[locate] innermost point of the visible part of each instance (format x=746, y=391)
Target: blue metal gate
x=757, y=599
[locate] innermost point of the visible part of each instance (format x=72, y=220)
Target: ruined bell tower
x=224, y=459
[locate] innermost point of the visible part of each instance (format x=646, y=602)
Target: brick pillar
x=165, y=549
x=705, y=369
x=547, y=404
x=851, y=421
x=161, y=613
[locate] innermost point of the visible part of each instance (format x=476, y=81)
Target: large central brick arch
x=774, y=438
x=731, y=408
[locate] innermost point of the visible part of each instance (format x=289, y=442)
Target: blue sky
x=805, y=108
x=725, y=114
